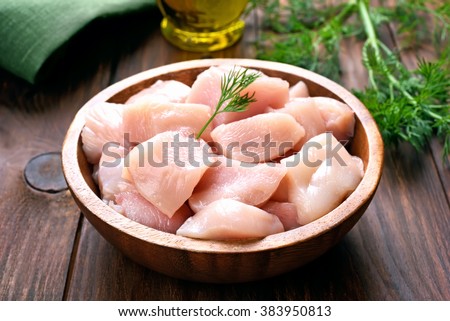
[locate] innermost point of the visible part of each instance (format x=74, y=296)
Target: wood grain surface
x=399, y=250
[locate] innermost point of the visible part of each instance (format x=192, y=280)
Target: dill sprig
x=231, y=100
x=408, y=105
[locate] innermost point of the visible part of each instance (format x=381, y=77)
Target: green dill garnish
x=231, y=100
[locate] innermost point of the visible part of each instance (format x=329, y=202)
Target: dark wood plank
x=354, y=75
x=38, y=229
x=442, y=165
x=406, y=239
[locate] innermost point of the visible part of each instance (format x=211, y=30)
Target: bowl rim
x=362, y=194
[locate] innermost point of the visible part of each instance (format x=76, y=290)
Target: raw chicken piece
x=269, y=92
x=163, y=90
x=166, y=168
x=321, y=176
x=281, y=194
x=229, y=219
x=146, y=118
x=298, y=90
x=339, y=118
x=206, y=88
x=321, y=114
x=252, y=184
x=103, y=125
x=259, y=138
x=109, y=174
x=138, y=209
x=286, y=212
x=306, y=113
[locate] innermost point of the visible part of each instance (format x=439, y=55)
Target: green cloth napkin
x=31, y=30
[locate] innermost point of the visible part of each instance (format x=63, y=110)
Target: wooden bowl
x=220, y=261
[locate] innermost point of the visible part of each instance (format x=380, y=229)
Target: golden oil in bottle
x=202, y=25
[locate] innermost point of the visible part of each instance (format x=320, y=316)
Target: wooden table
x=399, y=250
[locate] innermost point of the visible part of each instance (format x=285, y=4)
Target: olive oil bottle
x=202, y=25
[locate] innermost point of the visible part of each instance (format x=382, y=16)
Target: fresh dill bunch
x=231, y=86
x=414, y=117
x=407, y=105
